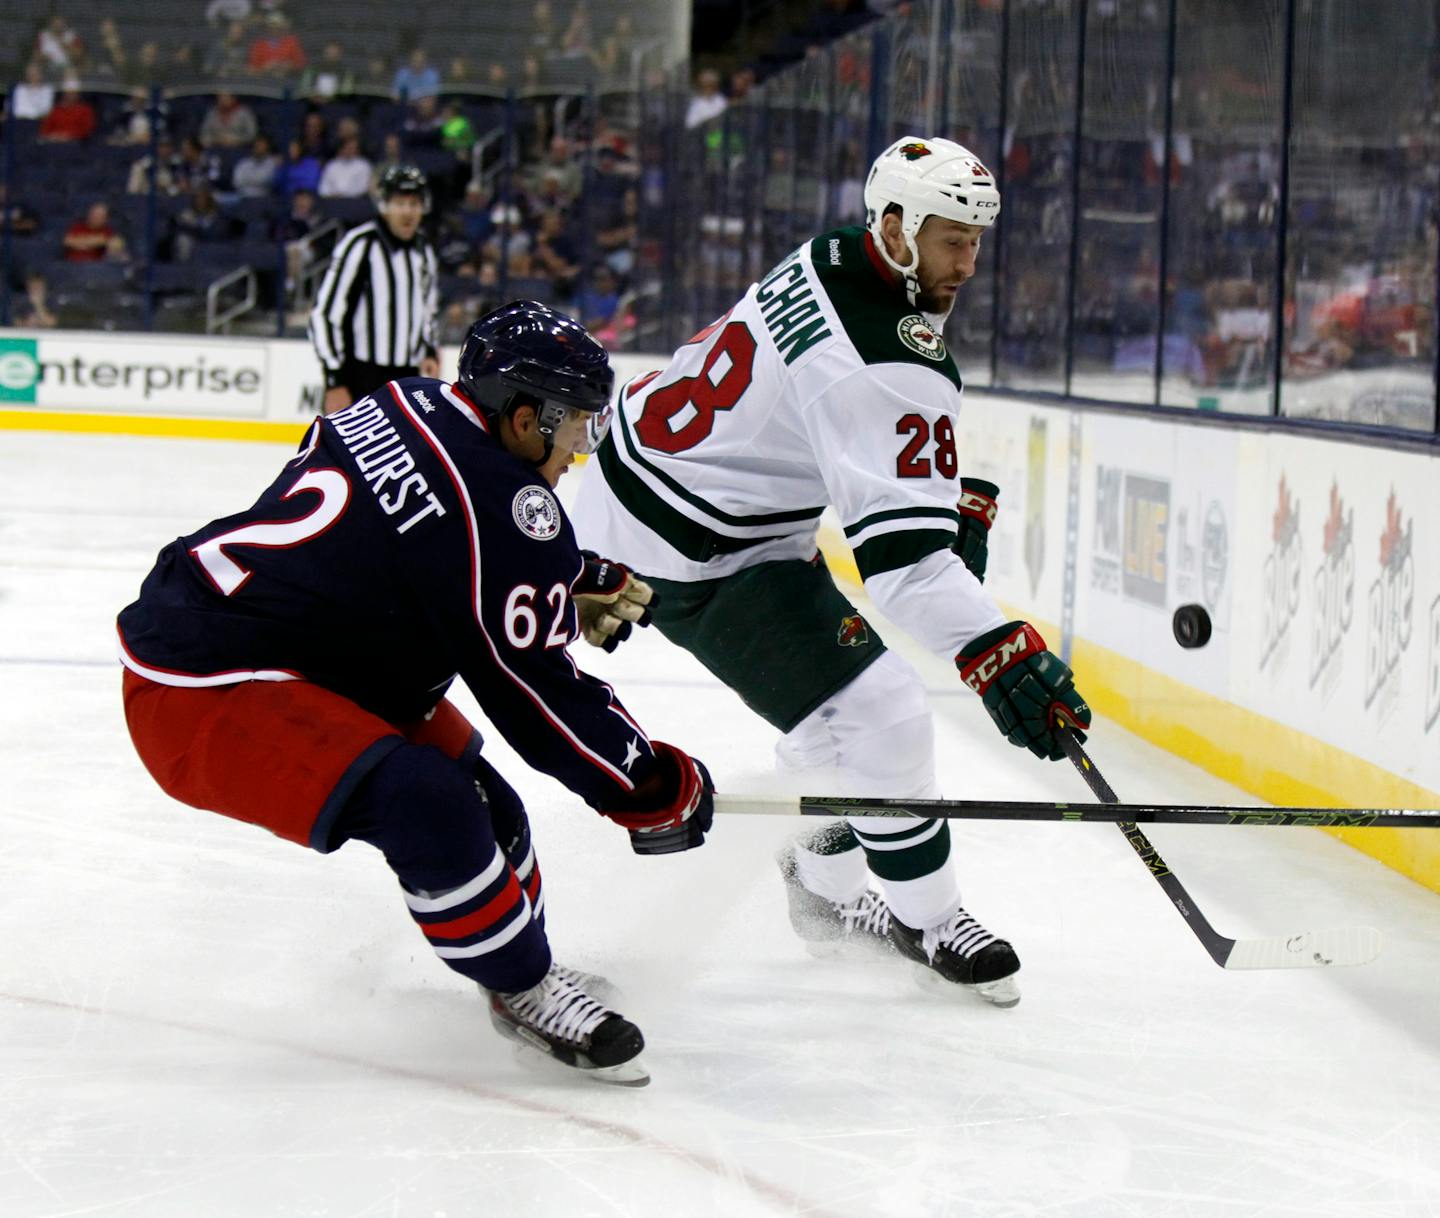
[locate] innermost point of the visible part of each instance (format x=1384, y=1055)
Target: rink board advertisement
x=1321, y=682
x=1318, y=561
x=276, y=383
x=65, y=370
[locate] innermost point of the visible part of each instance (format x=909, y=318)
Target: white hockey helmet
x=927, y=177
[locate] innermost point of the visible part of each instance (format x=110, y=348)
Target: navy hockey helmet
x=528, y=354
x=405, y=180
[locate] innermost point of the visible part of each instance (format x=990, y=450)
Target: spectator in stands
x=71, y=119
x=598, y=302
x=422, y=126
x=330, y=77
x=417, y=78
x=228, y=123
x=507, y=237
x=195, y=165
x=293, y=228
x=300, y=221
x=93, y=239
x=347, y=126
x=474, y=214
x=16, y=217
x=707, y=101
x=145, y=69
x=182, y=68
x=166, y=182
x=314, y=137
x=133, y=125
x=301, y=171
x=200, y=221
x=254, y=174
x=544, y=38
x=742, y=80
x=457, y=132
x=556, y=180
x=112, y=62
x=59, y=47
x=617, y=232
x=377, y=72
x=458, y=73
x=34, y=312
x=610, y=53
x=393, y=153
x=276, y=51
x=578, y=39
x=34, y=95
x=227, y=12
x=229, y=57
x=555, y=251
x=347, y=175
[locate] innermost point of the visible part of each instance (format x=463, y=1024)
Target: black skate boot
x=559, y=1018
x=827, y=928
x=962, y=952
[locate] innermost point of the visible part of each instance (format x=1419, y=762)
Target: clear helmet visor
x=572, y=429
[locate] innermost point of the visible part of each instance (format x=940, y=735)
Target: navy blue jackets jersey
x=402, y=546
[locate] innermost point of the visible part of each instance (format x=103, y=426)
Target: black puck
x=1191, y=625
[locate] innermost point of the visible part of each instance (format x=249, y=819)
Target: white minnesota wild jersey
x=822, y=386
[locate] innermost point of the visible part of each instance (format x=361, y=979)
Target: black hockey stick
x=1110, y=814
x=1309, y=949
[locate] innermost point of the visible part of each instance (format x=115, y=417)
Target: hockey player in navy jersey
x=287, y=665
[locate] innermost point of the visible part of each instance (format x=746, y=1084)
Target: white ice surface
x=198, y=1019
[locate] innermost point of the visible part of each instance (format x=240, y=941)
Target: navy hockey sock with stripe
x=433, y=822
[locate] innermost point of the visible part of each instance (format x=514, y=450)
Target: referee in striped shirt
x=374, y=319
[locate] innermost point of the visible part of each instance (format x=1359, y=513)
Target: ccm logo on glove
x=979, y=673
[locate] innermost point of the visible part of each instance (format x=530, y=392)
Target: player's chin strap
x=910, y=279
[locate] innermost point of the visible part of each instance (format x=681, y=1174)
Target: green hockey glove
x=977, y=514
x=1028, y=690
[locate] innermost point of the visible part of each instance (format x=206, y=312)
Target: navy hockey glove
x=1027, y=689
x=977, y=514
x=674, y=809
x=610, y=597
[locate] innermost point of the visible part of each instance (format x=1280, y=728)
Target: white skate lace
x=961, y=934
x=558, y=1007
x=869, y=915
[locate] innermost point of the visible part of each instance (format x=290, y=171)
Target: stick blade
x=1338, y=947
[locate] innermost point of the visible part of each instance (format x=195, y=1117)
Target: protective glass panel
x=1360, y=283
x=1118, y=275
x=1224, y=194
x=1034, y=232
x=970, y=100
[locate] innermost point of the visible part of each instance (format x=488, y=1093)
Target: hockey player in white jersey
x=829, y=384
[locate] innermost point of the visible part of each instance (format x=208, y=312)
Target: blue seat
x=348, y=211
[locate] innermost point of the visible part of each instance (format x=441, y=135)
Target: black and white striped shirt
x=377, y=302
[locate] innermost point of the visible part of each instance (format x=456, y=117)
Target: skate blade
x=1003, y=993
x=626, y=1074
x=533, y=1051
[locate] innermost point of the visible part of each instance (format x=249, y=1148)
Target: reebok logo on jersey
x=536, y=512
x=423, y=401
x=917, y=334
x=834, y=251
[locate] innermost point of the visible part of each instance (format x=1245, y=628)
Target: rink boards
x=1317, y=559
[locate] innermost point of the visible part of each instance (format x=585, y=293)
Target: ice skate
x=961, y=952
x=957, y=952
x=828, y=929
x=561, y=1019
